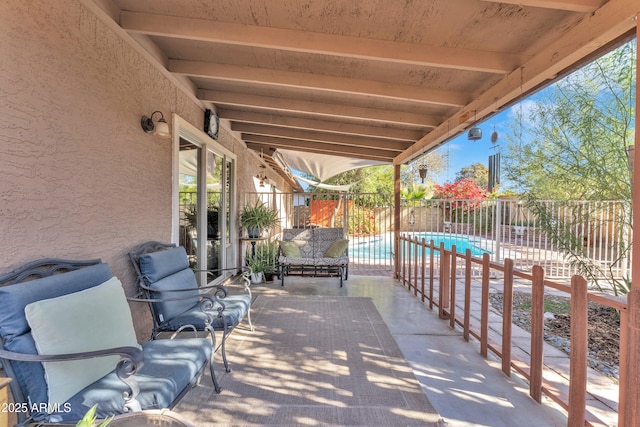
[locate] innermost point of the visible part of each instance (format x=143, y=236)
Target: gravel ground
x=603, y=329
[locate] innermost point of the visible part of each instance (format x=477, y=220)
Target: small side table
x=253, y=241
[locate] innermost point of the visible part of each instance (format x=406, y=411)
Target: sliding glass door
x=204, y=186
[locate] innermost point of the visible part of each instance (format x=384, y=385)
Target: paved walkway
x=466, y=389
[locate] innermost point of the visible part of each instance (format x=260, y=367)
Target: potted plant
x=268, y=253
x=256, y=264
x=258, y=218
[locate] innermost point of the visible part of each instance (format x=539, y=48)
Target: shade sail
x=344, y=187
x=324, y=166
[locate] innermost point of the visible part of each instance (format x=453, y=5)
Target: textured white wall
x=78, y=177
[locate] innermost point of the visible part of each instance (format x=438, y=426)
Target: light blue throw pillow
x=97, y=318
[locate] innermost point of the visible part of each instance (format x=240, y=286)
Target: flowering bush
x=464, y=189
x=465, y=196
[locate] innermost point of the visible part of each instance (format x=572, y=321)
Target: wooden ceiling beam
x=318, y=43
x=317, y=136
x=348, y=128
x=318, y=82
x=318, y=147
x=584, y=6
x=318, y=108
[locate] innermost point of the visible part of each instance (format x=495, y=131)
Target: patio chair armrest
x=220, y=292
x=209, y=304
x=244, y=274
x=131, y=360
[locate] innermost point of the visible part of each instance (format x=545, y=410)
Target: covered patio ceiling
x=384, y=80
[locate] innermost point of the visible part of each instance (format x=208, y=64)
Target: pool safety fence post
x=443, y=291
x=484, y=307
x=401, y=258
x=431, y=272
x=537, y=333
x=579, y=351
x=496, y=230
x=423, y=270
x=416, y=248
x=467, y=295
x=629, y=377
x=507, y=316
x=630, y=388
x=452, y=310
x=409, y=250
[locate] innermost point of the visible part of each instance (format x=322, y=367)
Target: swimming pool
x=380, y=247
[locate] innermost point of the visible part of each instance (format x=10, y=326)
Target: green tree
x=572, y=142
x=414, y=191
x=477, y=172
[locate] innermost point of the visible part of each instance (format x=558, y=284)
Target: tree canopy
x=477, y=172
x=571, y=142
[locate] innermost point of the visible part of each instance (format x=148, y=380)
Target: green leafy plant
x=268, y=253
x=259, y=217
x=89, y=419
x=255, y=263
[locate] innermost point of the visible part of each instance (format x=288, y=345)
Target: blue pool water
x=380, y=247
x=461, y=243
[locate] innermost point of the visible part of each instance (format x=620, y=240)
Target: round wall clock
x=211, y=124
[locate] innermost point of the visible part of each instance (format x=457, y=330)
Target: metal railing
x=529, y=233
x=418, y=266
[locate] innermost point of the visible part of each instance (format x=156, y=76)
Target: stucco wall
x=78, y=177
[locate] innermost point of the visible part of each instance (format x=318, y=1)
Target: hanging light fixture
x=422, y=168
x=159, y=129
x=422, y=171
x=262, y=177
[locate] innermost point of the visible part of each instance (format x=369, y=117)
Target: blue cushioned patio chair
x=146, y=377
x=178, y=303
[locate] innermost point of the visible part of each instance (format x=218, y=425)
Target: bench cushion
x=15, y=329
x=169, y=367
x=97, y=318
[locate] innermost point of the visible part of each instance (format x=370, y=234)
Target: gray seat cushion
x=169, y=367
x=235, y=308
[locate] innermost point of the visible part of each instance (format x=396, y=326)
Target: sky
x=460, y=152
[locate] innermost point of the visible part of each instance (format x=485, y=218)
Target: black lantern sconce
x=159, y=129
x=422, y=171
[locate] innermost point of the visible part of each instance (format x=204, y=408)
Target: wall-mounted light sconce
x=412, y=217
x=159, y=129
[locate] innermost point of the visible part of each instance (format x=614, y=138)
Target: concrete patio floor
x=465, y=388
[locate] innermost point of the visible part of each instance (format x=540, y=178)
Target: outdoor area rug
x=312, y=361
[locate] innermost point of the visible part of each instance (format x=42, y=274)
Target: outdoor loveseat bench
x=313, y=251
x=58, y=319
